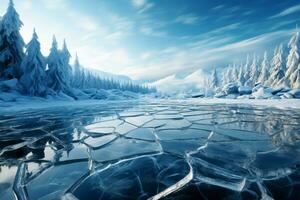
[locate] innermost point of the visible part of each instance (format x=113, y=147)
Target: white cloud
x=115, y=36
x=25, y=5
x=98, y=57
x=242, y=45
x=146, y=55
x=287, y=11
x=224, y=29
x=234, y=9
x=142, y=5
x=55, y=4
x=121, y=23
x=138, y=3
x=151, y=32
x=188, y=19
x=184, y=59
x=83, y=21
x=87, y=23
x=218, y=7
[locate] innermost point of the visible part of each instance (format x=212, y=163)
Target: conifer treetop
x=11, y=20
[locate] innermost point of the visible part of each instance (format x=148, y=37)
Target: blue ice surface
x=150, y=149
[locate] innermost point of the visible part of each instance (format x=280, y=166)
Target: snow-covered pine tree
x=241, y=78
x=77, y=74
x=265, y=70
x=235, y=74
x=11, y=45
x=296, y=83
x=224, y=77
x=55, y=74
x=66, y=67
x=33, y=79
x=247, y=72
x=292, y=60
x=277, y=76
x=214, y=80
x=82, y=81
x=229, y=74
x=254, y=71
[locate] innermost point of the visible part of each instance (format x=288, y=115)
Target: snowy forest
x=24, y=68
x=282, y=70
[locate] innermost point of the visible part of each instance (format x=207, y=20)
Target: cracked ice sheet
x=226, y=151
x=53, y=182
x=124, y=148
x=139, y=178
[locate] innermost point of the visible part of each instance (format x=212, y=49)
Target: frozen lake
x=150, y=150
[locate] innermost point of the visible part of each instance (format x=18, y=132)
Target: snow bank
x=233, y=91
x=13, y=98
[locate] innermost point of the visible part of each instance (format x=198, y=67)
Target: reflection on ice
x=150, y=150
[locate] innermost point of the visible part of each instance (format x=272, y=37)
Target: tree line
x=38, y=75
x=282, y=70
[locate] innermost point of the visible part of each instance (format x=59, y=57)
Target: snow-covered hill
x=174, y=84
x=106, y=75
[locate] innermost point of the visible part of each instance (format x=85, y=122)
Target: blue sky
x=152, y=39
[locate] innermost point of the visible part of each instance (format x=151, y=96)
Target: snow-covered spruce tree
x=254, y=70
x=235, y=74
x=77, y=74
x=277, y=76
x=265, y=70
x=296, y=83
x=241, y=78
x=226, y=75
x=292, y=60
x=33, y=79
x=247, y=72
x=223, y=77
x=55, y=75
x=66, y=67
x=229, y=74
x=214, y=80
x=11, y=45
x=82, y=79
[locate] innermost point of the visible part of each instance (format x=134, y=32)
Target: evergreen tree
x=55, y=74
x=265, y=70
x=296, y=75
x=293, y=60
x=254, y=71
x=278, y=69
x=33, y=80
x=224, y=77
x=229, y=74
x=241, y=78
x=214, y=80
x=77, y=74
x=247, y=71
x=235, y=73
x=11, y=45
x=66, y=67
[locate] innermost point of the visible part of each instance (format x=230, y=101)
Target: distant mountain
x=106, y=75
x=175, y=84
